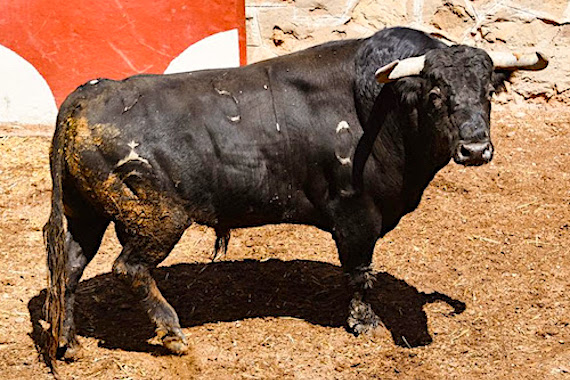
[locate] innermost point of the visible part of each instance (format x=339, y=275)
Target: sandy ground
x=495, y=238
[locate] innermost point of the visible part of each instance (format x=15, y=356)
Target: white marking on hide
x=342, y=125
x=134, y=173
x=235, y=119
x=343, y=160
x=278, y=127
x=94, y=81
x=222, y=92
x=227, y=93
x=133, y=144
x=132, y=156
x=265, y=86
x=128, y=107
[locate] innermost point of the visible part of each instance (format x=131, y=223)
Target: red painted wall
x=70, y=42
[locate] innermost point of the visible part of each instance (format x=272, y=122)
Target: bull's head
x=456, y=85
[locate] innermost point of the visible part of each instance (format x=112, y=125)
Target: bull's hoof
x=175, y=345
x=69, y=352
x=361, y=318
x=174, y=341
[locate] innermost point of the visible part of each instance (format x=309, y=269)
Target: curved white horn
x=399, y=69
x=514, y=61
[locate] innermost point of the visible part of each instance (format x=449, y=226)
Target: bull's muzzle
x=473, y=153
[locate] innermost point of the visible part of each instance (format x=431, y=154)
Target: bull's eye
x=435, y=96
x=435, y=93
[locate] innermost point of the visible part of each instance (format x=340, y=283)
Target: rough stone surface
x=277, y=27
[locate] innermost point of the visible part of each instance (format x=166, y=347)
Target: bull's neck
x=411, y=135
x=409, y=151
x=401, y=141
x=425, y=150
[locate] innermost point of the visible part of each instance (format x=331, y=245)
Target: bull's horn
x=399, y=69
x=514, y=61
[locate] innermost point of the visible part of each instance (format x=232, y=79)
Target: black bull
x=309, y=138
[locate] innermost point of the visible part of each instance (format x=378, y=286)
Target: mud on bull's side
x=344, y=136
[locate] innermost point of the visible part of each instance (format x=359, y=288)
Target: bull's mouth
x=473, y=153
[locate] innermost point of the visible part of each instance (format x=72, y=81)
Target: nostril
x=464, y=151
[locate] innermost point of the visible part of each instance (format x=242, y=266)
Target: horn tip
x=542, y=61
x=383, y=74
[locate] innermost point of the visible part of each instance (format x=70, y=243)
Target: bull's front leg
x=361, y=316
x=356, y=233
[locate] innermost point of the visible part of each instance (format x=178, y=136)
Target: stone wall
x=276, y=27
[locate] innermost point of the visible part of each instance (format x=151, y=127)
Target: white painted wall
x=217, y=51
x=25, y=96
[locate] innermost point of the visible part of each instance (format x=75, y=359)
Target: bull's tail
x=54, y=237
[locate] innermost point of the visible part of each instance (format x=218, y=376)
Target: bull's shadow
x=230, y=291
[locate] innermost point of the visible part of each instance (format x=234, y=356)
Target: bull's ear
x=499, y=78
x=409, y=89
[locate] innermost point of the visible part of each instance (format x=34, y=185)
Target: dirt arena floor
x=493, y=238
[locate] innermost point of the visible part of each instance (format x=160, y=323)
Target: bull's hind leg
x=140, y=255
x=84, y=233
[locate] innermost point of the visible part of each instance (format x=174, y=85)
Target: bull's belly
x=256, y=210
